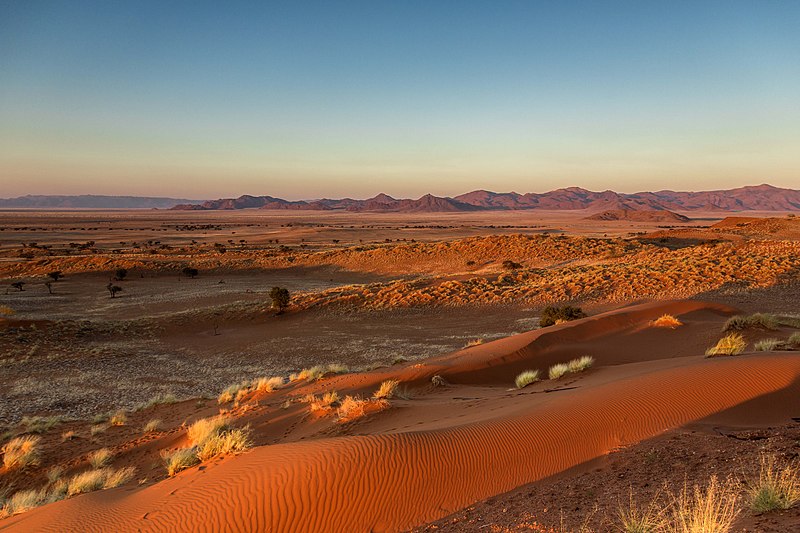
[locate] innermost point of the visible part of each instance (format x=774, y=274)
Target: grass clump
x=667, y=321
x=552, y=315
x=68, y=435
x=22, y=501
x=231, y=393
x=580, y=364
x=352, y=407
x=152, y=426
x=633, y=519
x=438, y=381
x=321, y=403
x=102, y=478
x=231, y=441
x=21, y=452
x=387, y=390
x=180, y=459
x=474, y=342
x=709, y=510
x=776, y=488
x=40, y=424
x=158, y=399
x=770, y=345
x=100, y=458
x=526, y=378
x=794, y=340
x=205, y=428
x=757, y=320
x=268, y=384
x=558, y=370
x=731, y=344
x=97, y=429
x=118, y=419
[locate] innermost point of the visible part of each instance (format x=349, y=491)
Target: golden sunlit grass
x=223, y=443
x=474, y=342
x=353, y=407
x=387, y=390
x=103, y=478
x=321, y=403
x=118, y=419
x=731, y=344
x=580, y=364
x=667, y=321
x=776, y=487
x=100, y=458
x=268, y=384
x=21, y=451
x=180, y=459
x=205, y=428
x=712, y=509
x=210, y=437
x=526, y=378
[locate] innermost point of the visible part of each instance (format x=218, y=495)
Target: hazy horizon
x=198, y=100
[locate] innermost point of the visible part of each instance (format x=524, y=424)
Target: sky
x=304, y=99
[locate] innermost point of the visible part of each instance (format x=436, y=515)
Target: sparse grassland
x=39, y=424
x=667, y=321
x=731, y=344
x=22, y=451
x=525, y=378
x=776, y=487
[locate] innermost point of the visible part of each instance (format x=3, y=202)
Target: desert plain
x=407, y=384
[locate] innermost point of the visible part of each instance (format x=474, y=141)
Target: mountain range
x=91, y=201
x=750, y=198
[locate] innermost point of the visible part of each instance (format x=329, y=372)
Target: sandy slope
x=391, y=478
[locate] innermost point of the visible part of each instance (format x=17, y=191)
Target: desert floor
x=447, y=305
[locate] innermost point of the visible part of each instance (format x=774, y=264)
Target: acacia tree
x=55, y=275
x=120, y=274
x=18, y=285
x=280, y=298
x=190, y=272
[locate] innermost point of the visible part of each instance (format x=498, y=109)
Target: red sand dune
x=395, y=480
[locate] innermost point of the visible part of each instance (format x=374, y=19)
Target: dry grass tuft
x=633, y=519
x=118, y=419
x=387, y=390
x=180, y=459
x=99, y=458
x=526, y=378
x=775, y=488
x=352, y=407
x=794, y=340
x=712, y=510
x=226, y=442
x=438, y=381
x=321, y=403
x=21, y=452
x=757, y=320
x=24, y=500
x=474, y=342
x=68, y=435
x=152, y=426
x=268, y=384
x=731, y=344
x=102, y=478
x=558, y=370
x=770, y=345
x=158, y=399
x=580, y=364
x=97, y=429
x=230, y=393
x=667, y=321
x=205, y=428
x=40, y=424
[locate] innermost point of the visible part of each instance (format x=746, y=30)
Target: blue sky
x=312, y=99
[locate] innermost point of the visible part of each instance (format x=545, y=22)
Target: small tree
x=113, y=289
x=280, y=298
x=18, y=285
x=55, y=275
x=120, y=274
x=190, y=272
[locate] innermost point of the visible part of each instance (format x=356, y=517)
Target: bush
x=551, y=315
x=526, y=378
x=732, y=344
x=280, y=298
x=21, y=452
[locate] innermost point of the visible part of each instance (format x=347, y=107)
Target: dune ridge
x=394, y=481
